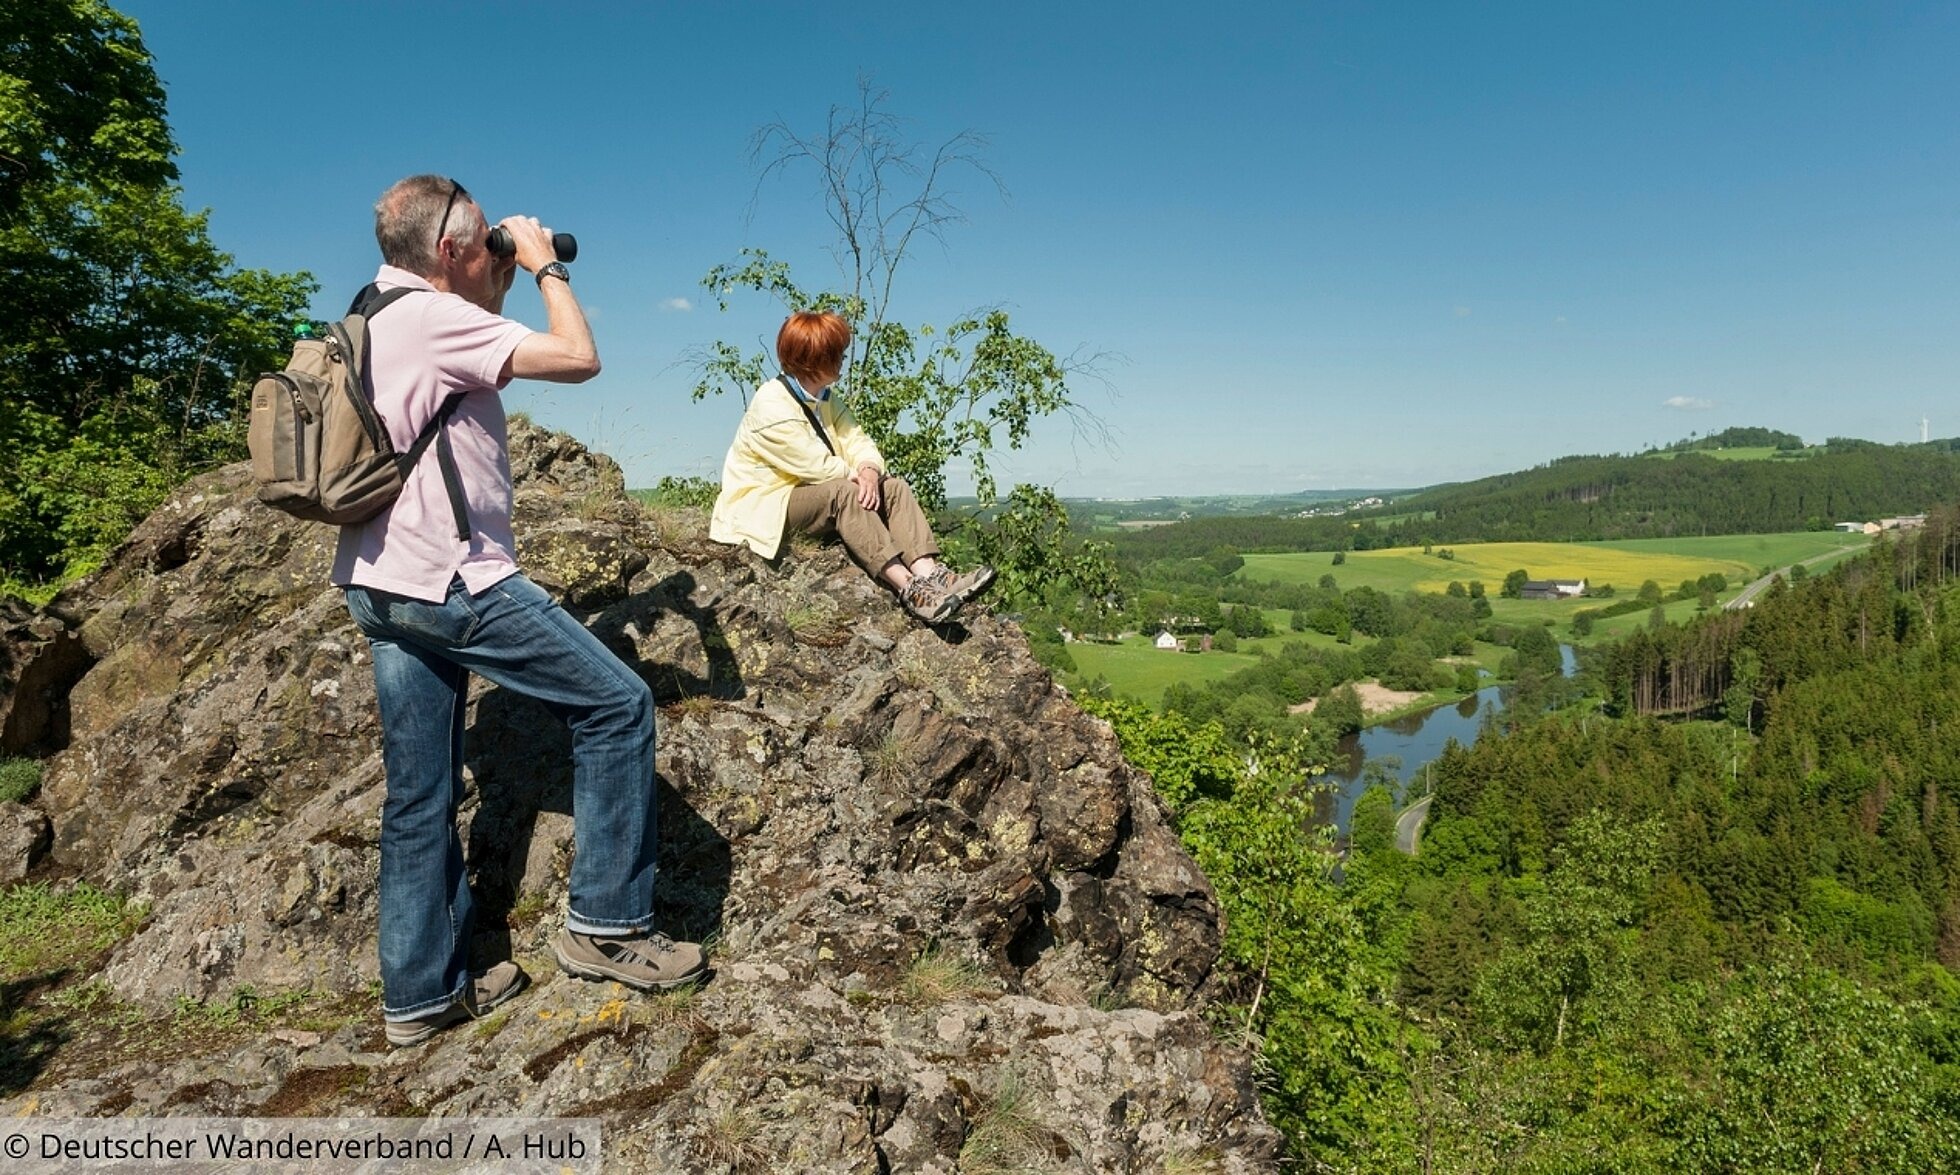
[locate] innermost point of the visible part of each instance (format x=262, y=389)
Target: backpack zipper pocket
x=306, y=416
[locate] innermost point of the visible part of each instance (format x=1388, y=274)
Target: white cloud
x=1688, y=403
x=681, y=305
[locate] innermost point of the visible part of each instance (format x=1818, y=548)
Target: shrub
x=683, y=491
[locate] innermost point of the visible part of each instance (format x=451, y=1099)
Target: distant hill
x=1613, y=497
x=1741, y=438
x=1099, y=513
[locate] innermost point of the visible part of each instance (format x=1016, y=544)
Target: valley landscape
x=1535, y=794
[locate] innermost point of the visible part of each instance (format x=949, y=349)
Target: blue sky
x=1324, y=245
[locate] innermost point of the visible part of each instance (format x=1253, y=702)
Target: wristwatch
x=555, y=269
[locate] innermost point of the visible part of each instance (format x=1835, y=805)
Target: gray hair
x=408, y=213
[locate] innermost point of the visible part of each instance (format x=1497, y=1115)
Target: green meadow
x=1136, y=668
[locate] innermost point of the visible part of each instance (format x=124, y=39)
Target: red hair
x=811, y=345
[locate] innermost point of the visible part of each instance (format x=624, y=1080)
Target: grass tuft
x=44, y=928
x=939, y=975
x=732, y=1138
x=818, y=620
x=1006, y=1136
x=19, y=779
x=1187, y=1162
x=892, y=760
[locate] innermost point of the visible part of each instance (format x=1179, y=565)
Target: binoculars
x=500, y=244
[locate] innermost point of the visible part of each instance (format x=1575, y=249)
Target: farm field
x=1756, y=550
x=1624, y=564
x=1135, y=668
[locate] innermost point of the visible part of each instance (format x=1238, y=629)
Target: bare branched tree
x=929, y=396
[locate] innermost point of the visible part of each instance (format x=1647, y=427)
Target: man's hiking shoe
x=965, y=585
x=928, y=599
x=485, y=992
x=647, y=962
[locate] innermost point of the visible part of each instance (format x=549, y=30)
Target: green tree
x=1514, y=584
x=128, y=333
x=1371, y=828
x=1576, y=950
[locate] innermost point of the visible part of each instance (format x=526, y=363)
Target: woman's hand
x=867, y=479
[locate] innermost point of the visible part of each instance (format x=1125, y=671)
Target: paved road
x=1408, y=826
x=1746, y=597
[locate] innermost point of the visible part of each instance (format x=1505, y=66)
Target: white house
x=1166, y=641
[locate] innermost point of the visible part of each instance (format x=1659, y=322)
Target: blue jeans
x=515, y=635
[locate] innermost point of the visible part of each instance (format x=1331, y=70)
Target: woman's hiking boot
x=927, y=598
x=964, y=585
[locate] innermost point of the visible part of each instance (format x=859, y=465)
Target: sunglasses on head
x=442, y=227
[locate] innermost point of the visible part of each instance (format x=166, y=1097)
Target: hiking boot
x=926, y=598
x=486, y=991
x=647, y=961
x=964, y=586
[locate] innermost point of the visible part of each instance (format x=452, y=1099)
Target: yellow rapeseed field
x=1399, y=569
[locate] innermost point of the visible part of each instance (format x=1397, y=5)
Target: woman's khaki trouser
x=896, y=530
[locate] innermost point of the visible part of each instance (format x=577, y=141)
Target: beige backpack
x=320, y=451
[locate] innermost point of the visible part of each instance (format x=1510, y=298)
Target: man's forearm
x=564, y=352
x=566, y=319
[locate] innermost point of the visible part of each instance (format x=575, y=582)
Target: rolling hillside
x=1592, y=498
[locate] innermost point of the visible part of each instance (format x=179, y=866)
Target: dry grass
x=1007, y=1137
x=1187, y=1162
x=732, y=1137
x=892, y=760
x=939, y=975
x=934, y=674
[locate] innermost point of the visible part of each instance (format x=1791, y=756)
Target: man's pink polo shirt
x=421, y=350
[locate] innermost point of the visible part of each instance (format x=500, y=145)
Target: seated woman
x=800, y=463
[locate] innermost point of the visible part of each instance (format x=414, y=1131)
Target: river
x=1415, y=740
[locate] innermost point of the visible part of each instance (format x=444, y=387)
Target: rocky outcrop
x=928, y=879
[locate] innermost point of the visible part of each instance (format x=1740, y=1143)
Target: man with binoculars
x=433, y=583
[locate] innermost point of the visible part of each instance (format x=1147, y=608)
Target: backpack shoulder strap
x=373, y=299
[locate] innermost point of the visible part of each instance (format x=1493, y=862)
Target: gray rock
x=937, y=897
x=24, y=838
